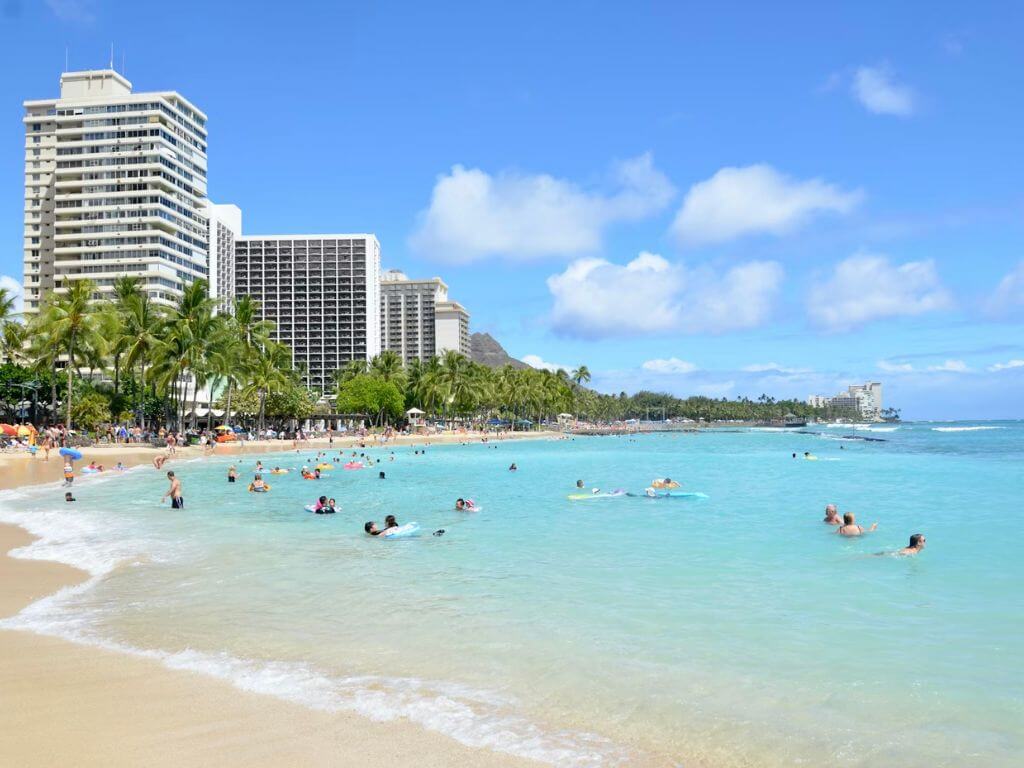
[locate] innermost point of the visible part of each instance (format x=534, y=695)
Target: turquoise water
x=733, y=630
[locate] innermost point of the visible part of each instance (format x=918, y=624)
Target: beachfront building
x=322, y=292
x=115, y=185
x=225, y=227
x=862, y=399
x=417, y=319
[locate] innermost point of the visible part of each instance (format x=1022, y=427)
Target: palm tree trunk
x=263, y=405
x=117, y=372
x=71, y=365
x=53, y=392
x=227, y=405
x=195, y=401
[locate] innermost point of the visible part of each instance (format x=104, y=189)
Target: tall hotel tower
x=321, y=291
x=115, y=184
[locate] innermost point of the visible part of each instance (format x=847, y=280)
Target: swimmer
x=380, y=475
x=832, y=515
x=917, y=542
x=232, y=474
x=460, y=504
x=316, y=473
x=579, y=483
x=68, y=498
x=850, y=527
x=120, y=467
x=390, y=526
x=329, y=508
x=320, y=504
x=513, y=467
x=257, y=485
x=372, y=529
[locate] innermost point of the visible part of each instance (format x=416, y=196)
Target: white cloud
x=535, y=361
x=950, y=366
x=473, y=214
x=72, y=10
x=885, y=365
x=878, y=92
x=716, y=388
x=774, y=368
x=1008, y=365
x=14, y=289
x=1008, y=298
x=755, y=199
x=868, y=287
x=669, y=365
x=595, y=298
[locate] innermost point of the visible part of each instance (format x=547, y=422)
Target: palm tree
x=12, y=342
x=581, y=376
x=142, y=321
x=269, y=373
x=387, y=366
x=71, y=322
x=7, y=312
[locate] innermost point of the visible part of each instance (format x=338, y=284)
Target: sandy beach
x=67, y=704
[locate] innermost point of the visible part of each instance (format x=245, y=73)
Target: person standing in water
x=232, y=474
x=177, y=502
x=850, y=527
x=917, y=542
x=832, y=515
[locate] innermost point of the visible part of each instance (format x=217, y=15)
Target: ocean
x=732, y=630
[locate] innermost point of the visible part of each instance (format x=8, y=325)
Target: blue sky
x=718, y=199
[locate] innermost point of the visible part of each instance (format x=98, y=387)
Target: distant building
x=322, y=292
x=417, y=319
x=115, y=185
x=863, y=399
x=225, y=228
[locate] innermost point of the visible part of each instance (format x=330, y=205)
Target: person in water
x=331, y=506
x=850, y=527
x=320, y=504
x=389, y=527
x=177, y=501
x=917, y=542
x=257, y=485
x=460, y=504
x=380, y=475
x=832, y=515
x=68, y=498
x=232, y=474
x=120, y=467
x=513, y=467
x=579, y=483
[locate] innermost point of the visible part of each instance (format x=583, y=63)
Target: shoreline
x=73, y=704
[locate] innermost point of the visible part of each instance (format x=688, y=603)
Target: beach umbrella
x=24, y=431
x=7, y=429
x=223, y=428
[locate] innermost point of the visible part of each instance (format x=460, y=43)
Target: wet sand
x=66, y=704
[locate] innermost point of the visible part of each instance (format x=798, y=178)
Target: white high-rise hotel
x=115, y=184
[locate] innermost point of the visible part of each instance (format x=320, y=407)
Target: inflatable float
x=264, y=489
x=409, y=529
x=322, y=467
x=354, y=465
x=672, y=495
x=664, y=483
x=599, y=495
x=71, y=453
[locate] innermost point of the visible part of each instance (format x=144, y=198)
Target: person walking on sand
x=177, y=502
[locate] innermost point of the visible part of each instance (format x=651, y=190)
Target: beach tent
x=414, y=412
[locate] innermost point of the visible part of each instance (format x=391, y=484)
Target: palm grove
x=155, y=361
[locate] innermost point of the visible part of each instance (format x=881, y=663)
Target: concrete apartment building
x=865, y=399
x=321, y=291
x=115, y=184
x=417, y=319
x=225, y=227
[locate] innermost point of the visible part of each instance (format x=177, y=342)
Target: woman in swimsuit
x=850, y=527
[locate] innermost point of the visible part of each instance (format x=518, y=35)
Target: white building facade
x=225, y=227
x=417, y=319
x=322, y=292
x=864, y=399
x=115, y=185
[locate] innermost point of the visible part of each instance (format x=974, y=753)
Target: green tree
x=380, y=400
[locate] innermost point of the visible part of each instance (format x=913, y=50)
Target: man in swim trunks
x=177, y=502
x=850, y=527
x=832, y=515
